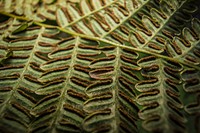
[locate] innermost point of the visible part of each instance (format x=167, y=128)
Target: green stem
x=102, y=40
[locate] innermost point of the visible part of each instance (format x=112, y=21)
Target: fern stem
x=101, y=39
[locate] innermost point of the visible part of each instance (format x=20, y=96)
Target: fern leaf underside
x=99, y=66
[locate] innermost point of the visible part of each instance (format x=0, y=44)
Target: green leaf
x=21, y=28
x=4, y=58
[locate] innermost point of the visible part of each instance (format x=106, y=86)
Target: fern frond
x=99, y=66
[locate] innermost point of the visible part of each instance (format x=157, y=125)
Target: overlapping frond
x=36, y=10
x=111, y=103
x=65, y=77
x=19, y=74
x=99, y=66
x=160, y=95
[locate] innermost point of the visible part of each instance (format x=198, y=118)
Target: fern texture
x=92, y=66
